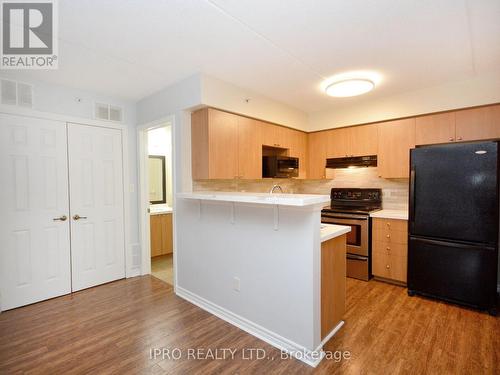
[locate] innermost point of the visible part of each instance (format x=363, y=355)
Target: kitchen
x=321, y=191
x=369, y=173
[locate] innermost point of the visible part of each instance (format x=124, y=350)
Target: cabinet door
x=363, y=140
x=478, y=123
x=395, y=139
x=298, y=148
x=316, y=154
x=271, y=134
x=249, y=148
x=338, y=143
x=96, y=195
x=434, y=129
x=34, y=236
x=166, y=234
x=155, y=235
x=222, y=145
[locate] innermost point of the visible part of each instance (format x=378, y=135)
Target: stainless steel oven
x=352, y=207
x=358, y=237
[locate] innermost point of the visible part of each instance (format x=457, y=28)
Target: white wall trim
x=312, y=358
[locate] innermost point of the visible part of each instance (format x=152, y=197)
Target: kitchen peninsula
x=266, y=264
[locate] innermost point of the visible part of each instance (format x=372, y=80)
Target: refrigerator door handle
x=453, y=244
x=413, y=175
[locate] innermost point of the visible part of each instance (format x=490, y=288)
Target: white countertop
x=259, y=198
x=391, y=214
x=329, y=231
x=159, y=209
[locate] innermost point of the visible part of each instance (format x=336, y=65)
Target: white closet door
x=34, y=245
x=96, y=201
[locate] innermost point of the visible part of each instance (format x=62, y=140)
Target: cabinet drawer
x=390, y=236
x=390, y=248
x=390, y=224
x=390, y=266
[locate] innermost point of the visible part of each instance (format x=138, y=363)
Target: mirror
x=157, y=179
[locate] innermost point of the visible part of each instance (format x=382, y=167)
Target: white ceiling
x=282, y=49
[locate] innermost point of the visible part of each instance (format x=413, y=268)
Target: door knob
x=78, y=217
x=61, y=218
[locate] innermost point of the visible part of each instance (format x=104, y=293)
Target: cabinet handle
x=459, y=138
x=452, y=139
x=78, y=217
x=387, y=266
x=388, y=236
x=60, y=218
x=388, y=248
x=388, y=224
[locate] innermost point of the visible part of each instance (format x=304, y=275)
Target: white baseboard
x=312, y=358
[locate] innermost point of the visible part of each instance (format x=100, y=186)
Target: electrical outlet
x=236, y=284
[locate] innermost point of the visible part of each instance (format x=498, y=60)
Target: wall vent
x=108, y=112
x=16, y=93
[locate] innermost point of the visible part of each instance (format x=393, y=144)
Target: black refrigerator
x=453, y=223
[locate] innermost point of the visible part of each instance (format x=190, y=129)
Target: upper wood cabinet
x=363, y=140
x=249, y=148
x=317, y=143
x=228, y=146
x=352, y=141
x=338, y=143
x=432, y=129
x=276, y=136
x=225, y=146
x=395, y=139
x=298, y=148
x=478, y=123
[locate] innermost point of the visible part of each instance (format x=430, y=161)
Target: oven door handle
x=327, y=216
x=356, y=257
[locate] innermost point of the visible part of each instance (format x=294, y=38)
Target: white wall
x=475, y=91
x=78, y=106
x=226, y=96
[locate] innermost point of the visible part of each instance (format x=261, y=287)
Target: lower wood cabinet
x=161, y=234
x=390, y=249
x=333, y=283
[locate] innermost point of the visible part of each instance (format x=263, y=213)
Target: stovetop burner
x=354, y=201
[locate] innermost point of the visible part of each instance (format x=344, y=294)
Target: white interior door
x=96, y=201
x=34, y=244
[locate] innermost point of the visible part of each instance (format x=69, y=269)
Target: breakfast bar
x=265, y=263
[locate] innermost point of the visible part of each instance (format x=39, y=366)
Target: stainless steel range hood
x=351, y=162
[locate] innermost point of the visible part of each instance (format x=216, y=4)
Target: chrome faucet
x=274, y=188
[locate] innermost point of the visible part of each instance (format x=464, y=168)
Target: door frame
x=144, y=217
x=31, y=113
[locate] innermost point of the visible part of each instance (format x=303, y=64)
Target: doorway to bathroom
x=160, y=199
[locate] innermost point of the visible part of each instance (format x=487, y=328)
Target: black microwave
x=280, y=167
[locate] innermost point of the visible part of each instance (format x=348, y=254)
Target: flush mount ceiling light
x=352, y=83
x=349, y=87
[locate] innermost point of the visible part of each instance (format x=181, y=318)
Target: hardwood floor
x=111, y=329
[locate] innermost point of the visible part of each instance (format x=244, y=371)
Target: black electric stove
x=352, y=207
